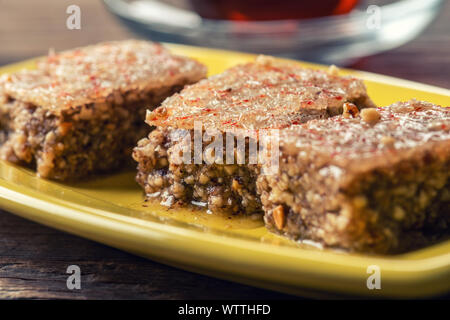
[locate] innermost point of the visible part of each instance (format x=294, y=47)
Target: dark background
x=34, y=258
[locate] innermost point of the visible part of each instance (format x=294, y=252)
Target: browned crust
x=265, y=94
x=81, y=111
x=91, y=74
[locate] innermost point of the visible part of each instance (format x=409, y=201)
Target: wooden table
x=34, y=258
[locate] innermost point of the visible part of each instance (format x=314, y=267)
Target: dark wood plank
x=34, y=260
x=425, y=59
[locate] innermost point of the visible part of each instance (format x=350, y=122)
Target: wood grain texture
x=34, y=258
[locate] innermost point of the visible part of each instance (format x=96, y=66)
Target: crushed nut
x=64, y=127
x=157, y=181
x=370, y=115
x=235, y=185
x=203, y=178
x=161, y=111
x=350, y=110
x=216, y=201
x=333, y=70
x=388, y=141
x=278, y=217
x=360, y=202
x=162, y=162
x=230, y=169
x=399, y=213
x=189, y=180
x=265, y=60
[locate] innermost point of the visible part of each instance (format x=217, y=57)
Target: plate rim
x=402, y=273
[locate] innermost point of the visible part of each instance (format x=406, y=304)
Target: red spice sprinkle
x=277, y=69
x=158, y=49
x=183, y=118
x=52, y=59
x=338, y=98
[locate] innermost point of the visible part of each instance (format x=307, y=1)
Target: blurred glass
x=338, y=39
x=263, y=10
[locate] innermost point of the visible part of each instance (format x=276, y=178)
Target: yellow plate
x=110, y=209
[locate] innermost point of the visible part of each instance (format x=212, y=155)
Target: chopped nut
x=350, y=110
x=265, y=60
x=235, y=185
x=370, y=115
x=203, y=178
x=333, y=70
x=388, y=141
x=59, y=146
x=360, y=202
x=161, y=111
x=399, y=213
x=157, y=181
x=215, y=201
x=230, y=169
x=278, y=217
x=177, y=190
x=64, y=127
x=189, y=180
x=163, y=162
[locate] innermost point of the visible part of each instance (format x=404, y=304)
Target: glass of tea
x=263, y=10
x=325, y=31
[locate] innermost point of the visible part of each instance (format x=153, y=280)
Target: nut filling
x=221, y=187
x=81, y=111
x=96, y=137
x=343, y=183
